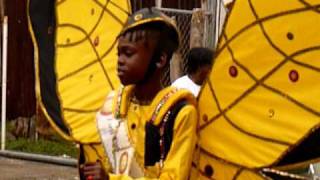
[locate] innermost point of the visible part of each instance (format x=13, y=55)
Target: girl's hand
x=94, y=171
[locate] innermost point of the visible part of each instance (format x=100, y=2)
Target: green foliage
x=43, y=146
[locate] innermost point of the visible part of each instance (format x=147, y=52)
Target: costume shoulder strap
x=159, y=130
x=165, y=100
x=115, y=138
x=159, y=138
x=115, y=102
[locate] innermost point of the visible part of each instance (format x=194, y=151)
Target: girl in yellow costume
x=148, y=131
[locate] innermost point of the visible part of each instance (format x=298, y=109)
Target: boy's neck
x=147, y=91
x=195, y=79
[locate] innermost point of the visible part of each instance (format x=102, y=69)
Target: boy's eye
x=128, y=52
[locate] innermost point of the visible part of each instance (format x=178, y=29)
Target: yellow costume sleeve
x=178, y=162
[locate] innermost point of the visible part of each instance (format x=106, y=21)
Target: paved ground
x=13, y=169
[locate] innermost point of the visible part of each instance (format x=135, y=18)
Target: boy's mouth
x=121, y=72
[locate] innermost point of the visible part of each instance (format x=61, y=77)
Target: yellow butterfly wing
x=83, y=63
x=86, y=59
x=261, y=100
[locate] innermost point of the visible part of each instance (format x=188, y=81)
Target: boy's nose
x=121, y=59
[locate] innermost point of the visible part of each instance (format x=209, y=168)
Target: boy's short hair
x=151, y=23
x=197, y=58
x=156, y=31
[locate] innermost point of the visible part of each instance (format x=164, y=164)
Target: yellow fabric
x=86, y=58
x=95, y=152
x=178, y=162
x=262, y=96
x=178, y=95
x=220, y=169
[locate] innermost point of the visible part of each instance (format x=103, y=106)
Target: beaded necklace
x=134, y=99
x=163, y=123
x=119, y=99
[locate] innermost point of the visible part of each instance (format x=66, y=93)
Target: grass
x=57, y=147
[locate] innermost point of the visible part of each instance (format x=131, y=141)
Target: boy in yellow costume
x=148, y=131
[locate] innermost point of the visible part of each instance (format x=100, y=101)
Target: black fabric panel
x=42, y=15
x=278, y=177
x=152, y=141
x=168, y=130
x=81, y=162
x=308, y=149
x=152, y=145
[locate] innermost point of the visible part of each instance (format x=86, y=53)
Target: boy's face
x=203, y=73
x=133, y=59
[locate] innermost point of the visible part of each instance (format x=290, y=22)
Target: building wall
x=1, y=10
x=177, y=4
x=20, y=84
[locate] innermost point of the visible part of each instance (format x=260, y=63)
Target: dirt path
x=13, y=169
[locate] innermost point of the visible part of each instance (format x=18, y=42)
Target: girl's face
x=133, y=58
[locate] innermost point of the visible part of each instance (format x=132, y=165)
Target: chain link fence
x=183, y=20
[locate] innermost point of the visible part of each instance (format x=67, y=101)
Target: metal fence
x=183, y=20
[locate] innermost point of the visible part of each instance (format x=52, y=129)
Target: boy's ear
x=162, y=60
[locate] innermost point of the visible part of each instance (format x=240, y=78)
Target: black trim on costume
x=309, y=149
x=152, y=137
x=43, y=21
x=81, y=162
